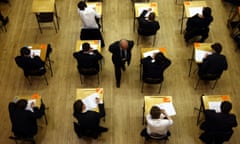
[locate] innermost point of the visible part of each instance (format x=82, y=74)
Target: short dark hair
x=226, y=107
x=77, y=106
x=206, y=11
x=82, y=5
x=159, y=57
x=155, y=112
x=85, y=46
x=152, y=16
x=21, y=104
x=217, y=47
x=25, y=51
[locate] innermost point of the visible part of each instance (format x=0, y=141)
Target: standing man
x=121, y=53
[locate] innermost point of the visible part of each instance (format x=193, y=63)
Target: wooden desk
x=150, y=101
x=93, y=43
x=82, y=93
x=190, y=8
x=199, y=52
x=140, y=6
x=36, y=97
x=41, y=47
x=97, y=6
x=205, y=99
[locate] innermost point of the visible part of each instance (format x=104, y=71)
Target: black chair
x=158, y=138
x=152, y=81
x=92, y=34
x=3, y=24
x=81, y=133
x=147, y=33
x=88, y=72
x=209, y=77
x=216, y=137
x=20, y=139
x=46, y=18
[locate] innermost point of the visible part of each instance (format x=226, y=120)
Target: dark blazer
x=153, y=69
x=213, y=64
x=24, y=122
x=87, y=60
x=197, y=23
x=30, y=64
x=116, y=50
x=147, y=27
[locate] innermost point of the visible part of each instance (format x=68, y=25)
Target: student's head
x=155, y=112
x=217, y=47
x=159, y=57
x=226, y=107
x=206, y=11
x=82, y=5
x=78, y=106
x=21, y=104
x=152, y=16
x=124, y=44
x=85, y=46
x=25, y=51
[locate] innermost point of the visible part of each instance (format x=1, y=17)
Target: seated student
x=88, y=121
x=24, y=121
x=154, y=67
x=217, y=123
x=198, y=25
x=88, y=58
x=30, y=63
x=234, y=2
x=147, y=26
x=3, y=20
x=214, y=63
x=158, y=122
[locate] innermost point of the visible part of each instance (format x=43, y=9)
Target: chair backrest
x=210, y=76
x=88, y=71
x=90, y=34
x=45, y=17
x=158, y=136
x=84, y=132
x=220, y=137
x=152, y=80
x=147, y=31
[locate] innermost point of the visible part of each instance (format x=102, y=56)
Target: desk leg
x=191, y=61
x=45, y=117
x=102, y=22
x=143, y=113
x=199, y=112
x=56, y=14
x=182, y=19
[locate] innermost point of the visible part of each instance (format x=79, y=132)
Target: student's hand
x=97, y=100
x=150, y=9
x=32, y=105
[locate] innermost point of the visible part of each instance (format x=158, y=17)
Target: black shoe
x=118, y=84
x=5, y=21
x=123, y=68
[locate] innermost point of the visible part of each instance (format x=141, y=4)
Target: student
x=147, y=26
x=30, y=63
x=158, y=122
x=153, y=67
x=214, y=63
x=218, y=123
x=87, y=58
x=88, y=121
x=198, y=25
x=121, y=53
x=24, y=122
x=234, y=2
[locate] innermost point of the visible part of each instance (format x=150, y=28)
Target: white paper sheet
x=168, y=107
x=90, y=101
x=194, y=10
x=35, y=52
x=141, y=9
x=200, y=55
x=93, y=46
x=29, y=105
x=150, y=53
x=215, y=105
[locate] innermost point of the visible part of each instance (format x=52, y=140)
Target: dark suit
x=220, y=123
x=117, y=57
x=197, y=26
x=29, y=64
x=154, y=69
x=89, y=122
x=213, y=64
x=24, y=122
x=88, y=60
x=146, y=27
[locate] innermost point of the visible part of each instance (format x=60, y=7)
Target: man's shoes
x=118, y=84
x=103, y=129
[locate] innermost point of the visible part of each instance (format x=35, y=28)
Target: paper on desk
x=35, y=52
x=194, y=10
x=141, y=9
x=215, y=105
x=90, y=101
x=93, y=46
x=150, y=53
x=201, y=54
x=29, y=104
x=168, y=107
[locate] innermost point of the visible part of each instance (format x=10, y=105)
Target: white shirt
x=88, y=17
x=159, y=126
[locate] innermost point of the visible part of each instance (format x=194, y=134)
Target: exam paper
x=150, y=53
x=93, y=46
x=201, y=54
x=141, y=9
x=29, y=105
x=215, y=105
x=90, y=101
x=194, y=10
x=35, y=52
x=168, y=107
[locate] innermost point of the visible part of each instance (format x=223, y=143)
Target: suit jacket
x=116, y=50
x=153, y=69
x=213, y=64
x=24, y=122
x=147, y=27
x=87, y=60
x=197, y=23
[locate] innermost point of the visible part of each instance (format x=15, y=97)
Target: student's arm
x=101, y=107
x=39, y=112
x=112, y=47
x=225, y=64
x=142, y=15
x=11, y=109
x=97, y=55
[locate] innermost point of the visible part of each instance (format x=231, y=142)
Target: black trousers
x=117, y=68
x=196, y=32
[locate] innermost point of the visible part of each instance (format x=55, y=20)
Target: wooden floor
x=123, y=105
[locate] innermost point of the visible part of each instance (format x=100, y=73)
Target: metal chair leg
x=214, y=84
x=28, y=79
x=160, y=87
x=55, y=26
x=98, y=78
x=142, y=87
x=197, y=84
x=81, y=79
x=45, y=79
x=154, y=39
